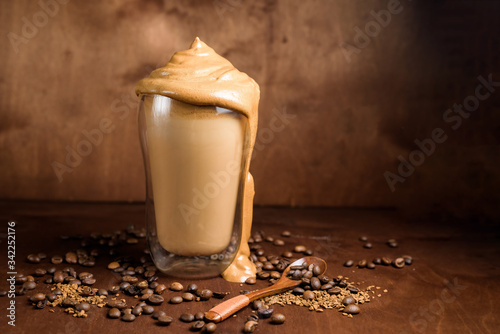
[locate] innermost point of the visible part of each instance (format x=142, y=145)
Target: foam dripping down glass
x=198, y=122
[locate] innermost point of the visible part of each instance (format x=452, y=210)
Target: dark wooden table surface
x=450, y=288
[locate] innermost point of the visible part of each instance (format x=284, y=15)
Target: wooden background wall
x=355, y=105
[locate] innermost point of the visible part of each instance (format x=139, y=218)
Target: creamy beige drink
x=198, y=81
x=195, y=156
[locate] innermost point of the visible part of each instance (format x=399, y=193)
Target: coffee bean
x=197, y=326
x=399, y=263
x=278, y=319
x=127, y=311
x=89, y=281
x=129, y=279
x=39, y=272
x=186, y=317
x=147, y=309
x=116, y=304
x=192, y=288
x=279, y=242
x=377, y=260
x=29, y=285
x=298, y=291
x=220, y=295
x=317, y=270
x=158, y=314
x=265, y=312
x=176, y=286
x=253, y=317
x=287, y=254
x=41, y=304
x=334, y=291
x=263, y=275
x=199, y=316
x=286, y=234
x=137, y=311
x=342, y=283
x=3, y=293
x=69, y=302
x=370, y=265
x=250, y=326
x=102, y=292
x=71, y=258
x=155, y=299
x=57, y=292
x=352, y=289
x=256, y=304
x=37, y=297
x=308, y=295
x=275, y=274
x=210, y=328
x=299, y=249
x=251, y=280
x=42, y=256
x=51, y=297
x=348, y=300
x=269, y=239
x=114, y=289
x=268, y=266
x=368, y=245
x=188, y=297
x=205, y=294
x=160, y=288
x=164, y=320
x=392, y=243
x=124, y=285
x=33, y=258
x=176, y=300
x=408, y=259
x=315, y=283
x=362, y=263
x=363, y=238
x=386, y=261
x=87, y=291
x=348, y=263
x=351, y=309
x=128, y=317
x=83, y=307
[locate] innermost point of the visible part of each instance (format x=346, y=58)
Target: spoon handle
x=227, y=308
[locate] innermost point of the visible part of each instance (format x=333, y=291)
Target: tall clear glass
x=194, y=161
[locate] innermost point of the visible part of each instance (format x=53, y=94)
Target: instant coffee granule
x=322, y=300
x=74, y=291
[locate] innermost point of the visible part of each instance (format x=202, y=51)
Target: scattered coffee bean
x=348, y=300
x=256, y=304
x=199, y=316
x=265, y=312
x=351, y=309
x=352, y=289
x=298, y=291
x=176, y=286
x=269, y=239
x=160, y=288
x=220, y=295
x=268, y=266
x=251, y=280
x=39, y=272
x=287, y=254
x=386, y=261
x=198, y=325
x=348, y=263
x=279, y=242
x=71, y=258
x=33, y=258
x=363, y=238
x=399, y=263
x=309, y=252
x=37, y=297
x=299, y=249
x=137, y=310
x=148, y=309
x=158, y=314
x=186, y=317
x=392, y=243
x=370, y=265
x=42, y=256
x=102, y=292
x=82, y=307
x=156, y=299
x=308, y=295
x=286, y=234
x=368, y=245
x=188, y=297
x=128, y=317
x=205, y=294
x=334, y=291
x=51, y=297
x=278, y=319
x=210, y=328
x=377, y=260
x=250, y=326
x=89, y=281
x=408, y=259
x=362, y=264
x=192, y=288
x=315, y=283
x=164, y=320
x=69, y=302
x=263, y=275
x=119, y=304
x=29, y=285
x=41, y=304
x=114, y=289
x=253, y=317
x=176, y=300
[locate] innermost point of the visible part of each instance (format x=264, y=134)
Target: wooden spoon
x=231, y=306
